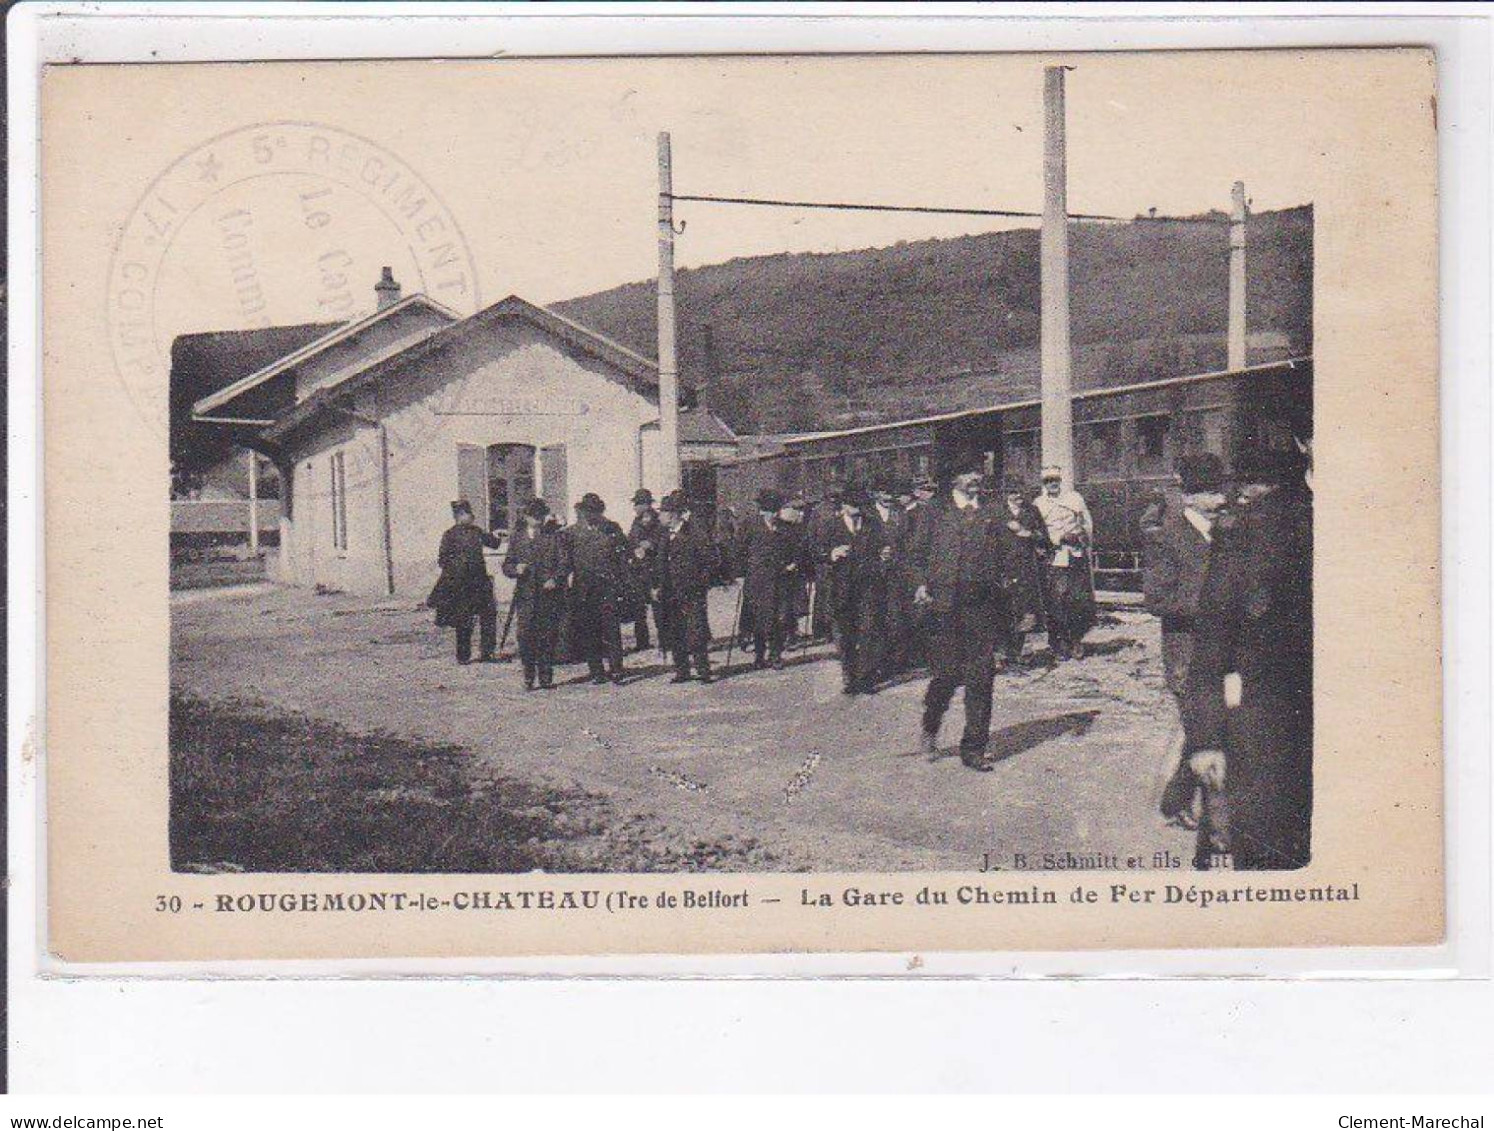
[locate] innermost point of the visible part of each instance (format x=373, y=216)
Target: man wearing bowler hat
x=1176, y=544
x=1247, y=708
x=599, y=565
x=464, y=591
x=685, y=567
x=851, y=558
x=768, y=563
x=538, y=560
x=959, y=571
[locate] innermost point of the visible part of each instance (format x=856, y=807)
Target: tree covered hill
x=794, y=342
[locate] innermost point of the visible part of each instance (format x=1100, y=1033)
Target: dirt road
x=823, y=781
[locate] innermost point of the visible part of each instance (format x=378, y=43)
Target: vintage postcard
x=697, y=505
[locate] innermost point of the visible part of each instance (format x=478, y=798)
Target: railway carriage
x=1127, y=440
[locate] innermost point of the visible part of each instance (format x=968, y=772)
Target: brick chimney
x=387, y=289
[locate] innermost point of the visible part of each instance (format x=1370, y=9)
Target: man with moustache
x=1247, y=709
x=1070, y=582
x=958, y=567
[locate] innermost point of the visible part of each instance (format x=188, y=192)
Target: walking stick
x=737, y=625
x=508, y=623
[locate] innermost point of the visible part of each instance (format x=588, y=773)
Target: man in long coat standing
x=850, y=557
x=539, y=561
x=1025, y=547
x=768, y=562
x=686, y=567
x=644, y=537
x=897, y=534
x=1247, y=712
x=464, y=591
x=599, y=565
x=960, y=569
x=1177, y=541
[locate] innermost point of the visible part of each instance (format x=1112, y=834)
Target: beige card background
x=1352, y=132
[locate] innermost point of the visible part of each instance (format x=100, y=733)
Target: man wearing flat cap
x=1176, y=544
x=538, y=560
x=599, y=565
x=959, y=570
x=850, y=557
x=1247, y=709
x=464, y=591
x=683, y=574
x=767, y=555
x=643, y=548
x=1070, y=589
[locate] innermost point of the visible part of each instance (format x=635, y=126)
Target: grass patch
x=259, y=790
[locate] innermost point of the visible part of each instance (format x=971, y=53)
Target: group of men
x=1229, y=574
x=587, y=577
x=899, y=573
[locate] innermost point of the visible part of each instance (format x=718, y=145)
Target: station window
x=1019, y=457
x=1151, y=444
x=510, y=475
x=1100, y=452
x=339, y=501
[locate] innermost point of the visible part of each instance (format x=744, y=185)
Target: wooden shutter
x=552, y=480
x=472, y=477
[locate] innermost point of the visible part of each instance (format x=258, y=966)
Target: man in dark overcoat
x=959, y=569
x=851, y=560
x=538, y=560
x=890, y=503
x=768, y=563
x=1176, y=543
x=685, y=569
x=599, y=574
x=1025, y=547
x=1247, y=711
x=643, y=547
x=464, y=591
x=792, y=516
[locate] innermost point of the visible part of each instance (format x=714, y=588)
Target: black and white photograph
x=942, y=505
x=741, y=503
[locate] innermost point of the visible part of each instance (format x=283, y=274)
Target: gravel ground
x=760, y=771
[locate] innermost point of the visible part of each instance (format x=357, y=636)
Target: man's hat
x=1198, y=473
x=536, y=508
x=769, y=500
x=1265, y=465
x=461, y=506
x=855, y=496
x=967, y=460
x=643, y=496
x=926, y=484
x=591, y=502
x=797, y=501
x=676, y=502
x=1052, y=472
x=1011, y=485
x=834, y=493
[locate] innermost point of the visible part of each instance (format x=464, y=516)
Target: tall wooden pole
x=1236, y=340
x=253, y=503
x=1057, y=390
x=669, y=384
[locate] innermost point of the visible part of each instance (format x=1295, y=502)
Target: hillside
x=790, y=342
